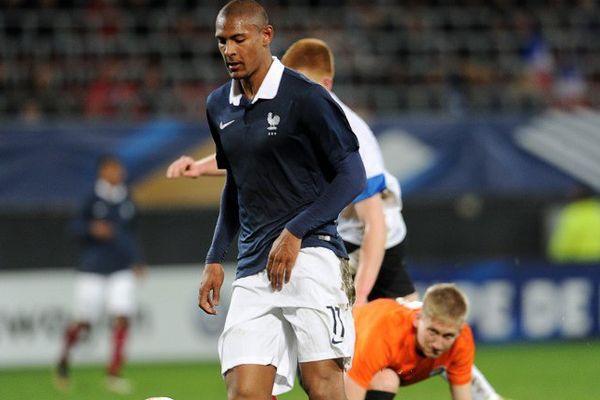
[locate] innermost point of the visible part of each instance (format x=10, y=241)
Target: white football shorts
x=308, y=320
x=95, y=293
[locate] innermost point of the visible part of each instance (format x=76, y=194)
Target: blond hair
x=312, y=56
x=446, y=302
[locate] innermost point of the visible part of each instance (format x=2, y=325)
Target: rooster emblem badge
x=273, y=121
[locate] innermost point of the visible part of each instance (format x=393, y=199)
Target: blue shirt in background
x=113, y=205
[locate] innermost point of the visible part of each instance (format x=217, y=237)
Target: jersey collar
x=268, y=88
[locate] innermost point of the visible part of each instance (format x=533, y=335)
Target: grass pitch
x=555, y=371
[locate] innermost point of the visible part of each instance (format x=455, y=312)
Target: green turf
x=521, y=372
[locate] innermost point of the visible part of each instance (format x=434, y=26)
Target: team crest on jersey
x=273, y=120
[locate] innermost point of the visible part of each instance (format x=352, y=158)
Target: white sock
x=481, y=389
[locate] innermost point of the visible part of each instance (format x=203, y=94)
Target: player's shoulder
x=292, y=77
x=357, y=123
x=398, y=317
x=465, y=341
x=299, y=85
x=219, y=95
x=387, y=310
x=466, y=333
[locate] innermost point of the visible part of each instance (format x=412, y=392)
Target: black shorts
x=393, y=279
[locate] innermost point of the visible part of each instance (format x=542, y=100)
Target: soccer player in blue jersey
x=292, y=165
x=106, y=275
x=372, y=226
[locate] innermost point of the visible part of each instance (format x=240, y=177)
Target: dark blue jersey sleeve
x=227, y=224
x=348, y=182
x=222, y=162
x=326, y=124
x=333, y=139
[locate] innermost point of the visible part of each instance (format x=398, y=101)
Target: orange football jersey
x=386, y=338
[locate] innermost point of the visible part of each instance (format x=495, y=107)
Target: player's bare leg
x=481, y=389
x=72, y=334
x=250, y=381
x=114, y=381
x=323, y=380
x=384, y=385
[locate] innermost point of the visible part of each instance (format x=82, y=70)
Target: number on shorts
x=338, y=325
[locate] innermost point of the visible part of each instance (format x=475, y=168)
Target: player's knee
x=242, y=392
x=324, y=387
x=385, y=380
x=79, y=330
x=121, y=322
x=249, y=382
x=324, y=391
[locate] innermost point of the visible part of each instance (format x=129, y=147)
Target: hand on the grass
x=210, y=288
x=282, y=258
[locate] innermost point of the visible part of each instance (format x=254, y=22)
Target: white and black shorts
x=308, y=320
x=393, y=279
x=97, y=293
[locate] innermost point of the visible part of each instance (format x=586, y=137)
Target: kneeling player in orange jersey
x=406, y=343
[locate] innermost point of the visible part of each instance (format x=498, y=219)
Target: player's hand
x=184, y=166
x=139, y=270
x=282, y=258
x=102, y=230
x=210, y=288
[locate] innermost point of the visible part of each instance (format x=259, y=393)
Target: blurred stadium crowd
x=141, y=59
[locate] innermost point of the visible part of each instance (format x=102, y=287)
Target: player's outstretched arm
x=210, y=288
x=461, y=392
x=372, y=249
x=186, y=166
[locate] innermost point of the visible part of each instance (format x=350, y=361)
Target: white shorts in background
x=95, y=293
x=308, y=320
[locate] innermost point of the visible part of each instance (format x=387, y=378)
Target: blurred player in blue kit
x=106, y=274
x=292, y=165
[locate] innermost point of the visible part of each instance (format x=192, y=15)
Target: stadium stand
x=139, y=59
x=468, y=82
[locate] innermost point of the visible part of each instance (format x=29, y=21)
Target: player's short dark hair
x=238, y=8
